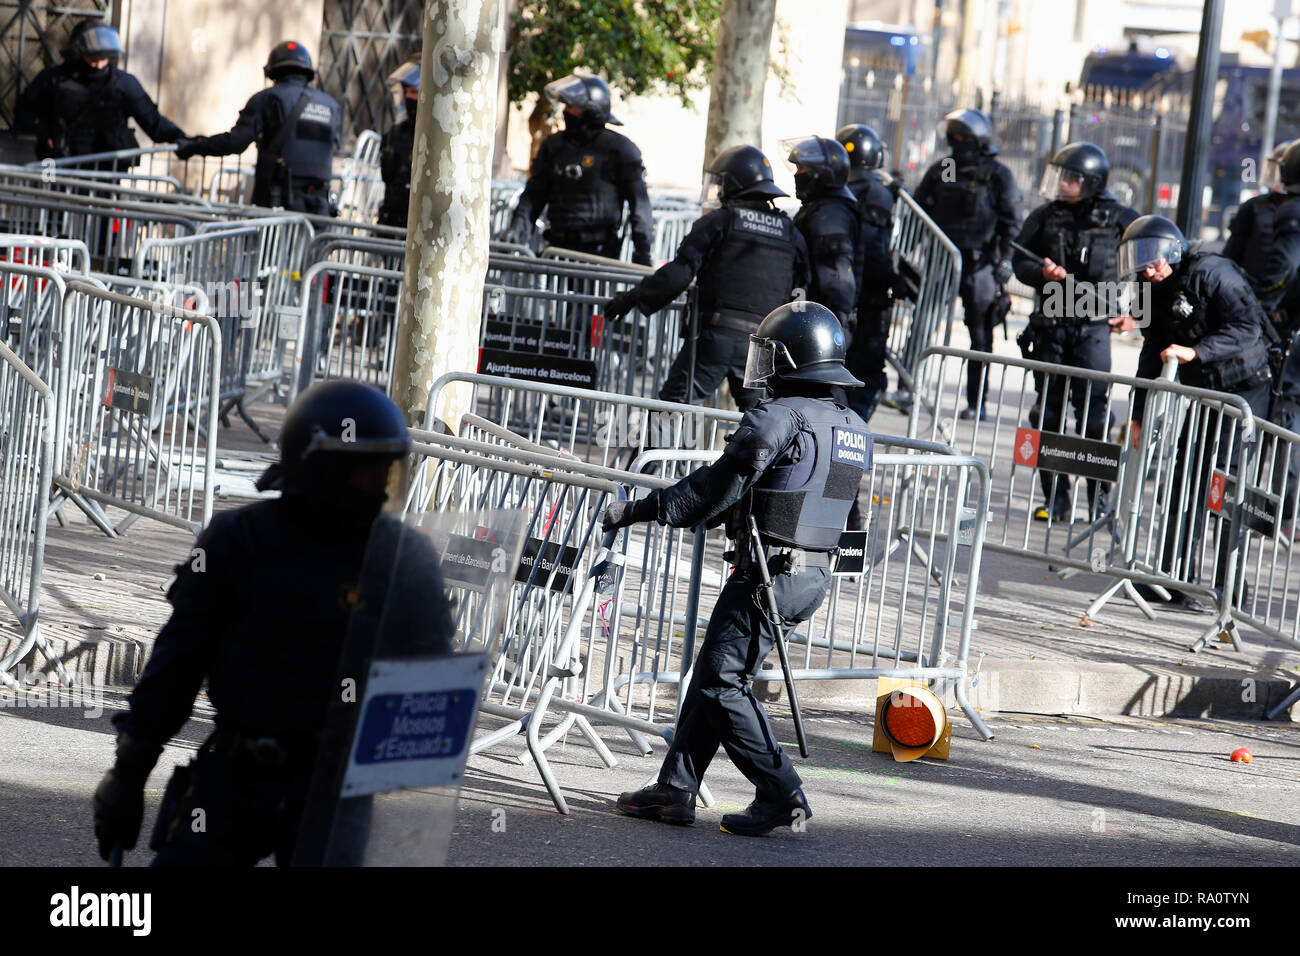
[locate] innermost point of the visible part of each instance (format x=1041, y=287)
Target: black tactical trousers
x=609, y=245
x=236, y=812
x=1087, y=347
x=720, y=708
x=719, y=354
x=865, y=361
x=1181, y=554
x=1284, y=410
x=979, y=293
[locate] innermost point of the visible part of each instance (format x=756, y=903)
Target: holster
x=178, y=788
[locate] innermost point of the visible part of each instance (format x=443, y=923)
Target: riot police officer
x=260, y=612
x=974, y=199
x=1077, y=233
x=1203, y=313
x=789, y=465
x=874, y=268
x=828, y=220
x=582, y=175
x=296, y=129
x=81, y=106
x=395, y=149
x=749, y=259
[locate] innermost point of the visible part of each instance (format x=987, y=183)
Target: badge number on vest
x=761, y=223
x=852, y=446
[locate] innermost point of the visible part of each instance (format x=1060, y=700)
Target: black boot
x=763, y=816
x=659, y=801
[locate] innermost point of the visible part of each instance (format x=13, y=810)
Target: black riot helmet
x=961, y=127
x=92, y=39
x=1076, y=164
x=866, y=151
x=1149, y=239
x=741, y=172
x=1288, y=169
x=333, y=433
x=587, y=93
x=288, y=57
x=821, y=166
x=800, y=341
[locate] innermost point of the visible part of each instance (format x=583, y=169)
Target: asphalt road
x=1045, y=791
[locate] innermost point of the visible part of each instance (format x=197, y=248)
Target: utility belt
x=1041, y=323
x=783, y=560
x=733, y=320
x=268, y=753
x=582, y=236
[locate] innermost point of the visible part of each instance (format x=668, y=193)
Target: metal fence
x=1155, y=512
x=27, y=433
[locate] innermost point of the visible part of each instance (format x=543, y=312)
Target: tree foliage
x=637, y=46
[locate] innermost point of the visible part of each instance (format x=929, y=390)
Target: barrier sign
x=469, y=562
x=1214, y=498
x=532, y=547
x=1067, y=454
x=852, y=557
x=128, y=391
x=504, y=334
x=549, y=369
x=1259, y=512
x=415, y=723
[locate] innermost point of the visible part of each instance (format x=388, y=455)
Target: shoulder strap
x=276, y=145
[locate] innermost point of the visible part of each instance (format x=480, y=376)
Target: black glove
x=1003, y=272
x=519, y=233
x=621, y=304
x=119, y=798
x=642, y=259
x=620, y=514
x=187, y=147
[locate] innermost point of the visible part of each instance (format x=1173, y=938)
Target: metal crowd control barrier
x=63, y=255
x=1157, y=514
x=347, y=326
x=361, y=187
x=27, y=435
x=671, y=225
x=930, y=259
x=505, y=193
x=605, y=428
x=616, y=622
x=372, y=251
x=31, y=315
x=137, y=396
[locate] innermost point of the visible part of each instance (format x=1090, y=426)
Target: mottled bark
x=740, y=66
x=451, y=178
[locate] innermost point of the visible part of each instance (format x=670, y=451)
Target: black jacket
x=977, y=207
x=74, y=111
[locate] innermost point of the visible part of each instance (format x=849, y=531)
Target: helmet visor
x=762, y=363
x=711, y=191
x=1136, y=254
x=569, y=90
x=1066, y=185
x=806, y=151
x=100, y=41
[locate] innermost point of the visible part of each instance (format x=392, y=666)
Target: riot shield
x=426, y=616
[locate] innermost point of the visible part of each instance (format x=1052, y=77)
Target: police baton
x=1092, y=293
x=775, y=616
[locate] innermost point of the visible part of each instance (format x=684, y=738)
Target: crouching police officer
x=974, y=199
x=749, y=259
x=582, y=175
x=1203, y=313
x=395, y=149
x=296, y=129
x=794, y=464
x=260, y=612
x=1077, y=234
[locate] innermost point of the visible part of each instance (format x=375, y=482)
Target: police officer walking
x=1203, y=313
x=974, y=199
x=395, y=149
x=582, y=175
x=82, y=105
x=874, y=268
x=790, y=466
x=260, y=612
x=828, y=220
x=1077, y=234
x=749, y=259
x=296, y=129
